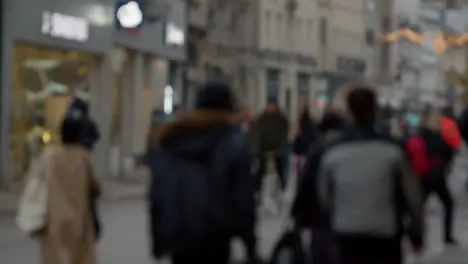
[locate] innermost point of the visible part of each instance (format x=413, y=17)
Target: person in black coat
x=90, y=133
x=441, y=157
x=306, y=210
x=307, y=133
x=210, y=137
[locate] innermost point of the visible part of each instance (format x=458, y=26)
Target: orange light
x=441, y=44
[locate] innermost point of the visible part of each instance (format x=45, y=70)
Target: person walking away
x=272, y=128
x=89, y=137
x=306, y=212
x=431, y=160
x=449, y=128
x=245, y=119
x=366, y=186
x=90, y=133
x=463, y=124
x=202, y=191
x=305, y=137
x=246, y=125
x=68, y=234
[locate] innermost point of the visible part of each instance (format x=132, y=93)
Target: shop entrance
x=44, y=82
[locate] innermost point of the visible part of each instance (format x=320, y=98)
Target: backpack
x=186, y=206
x=450, y=132
x=416, y=148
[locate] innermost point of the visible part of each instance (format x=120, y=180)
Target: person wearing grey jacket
x=367, y=188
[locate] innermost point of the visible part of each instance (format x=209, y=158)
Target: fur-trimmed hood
x=195, y=130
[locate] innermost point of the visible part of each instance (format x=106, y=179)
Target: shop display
x=44, y=82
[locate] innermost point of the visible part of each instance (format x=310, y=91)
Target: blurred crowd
x=363, y=178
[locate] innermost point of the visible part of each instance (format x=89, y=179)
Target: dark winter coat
x=193, y=135
x=90, y=133
x=271, y=132
x=437, y=149
x=306, y=210
x=463, y=124
x=307, y=134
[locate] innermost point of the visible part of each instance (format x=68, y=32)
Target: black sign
x=276, y=56
x=351, y=65
x=306, y=61
x=289, y=57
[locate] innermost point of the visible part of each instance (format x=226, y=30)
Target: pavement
x=133, y=187
x=125, y=238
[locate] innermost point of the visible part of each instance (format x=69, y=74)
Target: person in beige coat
x=69, y=236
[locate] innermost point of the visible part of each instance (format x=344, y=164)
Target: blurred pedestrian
x=90, y=133
x=202, y=191
x=67, y=234
x=306, y=135
x=433, y=167
x=366, y=185
x=245, y=119
x=463, y=124
x=89, y=137
x=272, y=128
x=306, y=211
x=449, y=128
x=246, y=125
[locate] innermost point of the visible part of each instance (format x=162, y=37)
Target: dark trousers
x=280, y=162
x=207, y=254
x=355, y=249
x=440, y=188
x=324, y=247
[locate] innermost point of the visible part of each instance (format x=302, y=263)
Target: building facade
x=287, y=53
x=343, y=45
x=222, y=41
x=288, y=50
x=53, y=50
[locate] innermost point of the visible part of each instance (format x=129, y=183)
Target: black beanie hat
x=215, y=94
x=332, y=121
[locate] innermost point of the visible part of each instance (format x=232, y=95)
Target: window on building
x=44, y=82
x=288, y=101
x=268, y=27
x=451, y=4
x=273, y=83
x=323, y=31
x=280, y=30
x=303, y=84
x=305, y=36
x=386, y=24
x=385, y=51
x=310, y=32
x=298, y=38
x=276, y=29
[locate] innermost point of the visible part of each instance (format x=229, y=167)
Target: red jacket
x=450, y=132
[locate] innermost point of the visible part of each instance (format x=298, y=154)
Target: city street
x=125, y=238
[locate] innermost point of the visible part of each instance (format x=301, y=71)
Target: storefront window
x=44, y=81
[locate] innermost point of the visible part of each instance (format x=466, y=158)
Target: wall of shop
x=22, y=26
